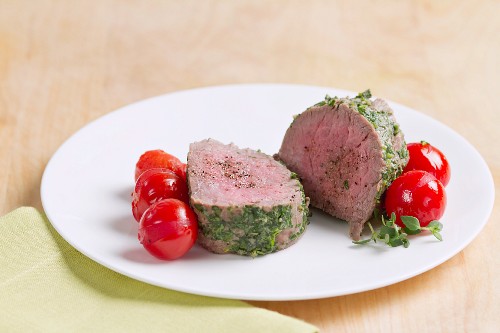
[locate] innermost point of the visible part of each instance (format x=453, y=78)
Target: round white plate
x=87, y=184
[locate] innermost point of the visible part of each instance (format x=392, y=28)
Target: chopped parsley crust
x=251, y=230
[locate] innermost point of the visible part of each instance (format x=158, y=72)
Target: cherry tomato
x=182, y=172
x=154, y=185
x=159, y=159
x=416, y=193
x=424, y=156
x=168, y=229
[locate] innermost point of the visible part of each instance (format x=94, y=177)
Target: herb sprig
x=393, y=235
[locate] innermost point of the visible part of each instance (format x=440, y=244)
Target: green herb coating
x=252, y=230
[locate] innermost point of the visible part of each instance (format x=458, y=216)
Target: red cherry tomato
x=159, y=159
x=424, y=156
x=168, y=229
x=154, y=185
x=416, y=193
x=182, y=172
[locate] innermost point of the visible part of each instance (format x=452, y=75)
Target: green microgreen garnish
x=393, y=235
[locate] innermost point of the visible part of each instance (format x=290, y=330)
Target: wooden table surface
x=65, y=63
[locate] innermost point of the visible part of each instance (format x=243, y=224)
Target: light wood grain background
x=65, y=63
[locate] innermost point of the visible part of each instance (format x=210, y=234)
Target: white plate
x=87, y=184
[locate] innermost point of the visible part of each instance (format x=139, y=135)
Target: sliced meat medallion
x=247, y=203
x=346, y=152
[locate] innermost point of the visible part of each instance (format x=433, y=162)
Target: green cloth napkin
x=48, y=286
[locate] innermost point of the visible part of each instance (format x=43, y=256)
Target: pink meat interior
x=338, y=157
x=224, y=175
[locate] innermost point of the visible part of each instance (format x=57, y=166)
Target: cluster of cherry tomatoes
x=419, y=191
x=168, y=227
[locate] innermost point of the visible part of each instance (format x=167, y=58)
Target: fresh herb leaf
x=412, y=232
x=435, y=227
x=390, y=222
x=406, y=242
x=386, y=230
x=411, y=222
x=363, y=241
x=437, y=235
x=395, y=242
